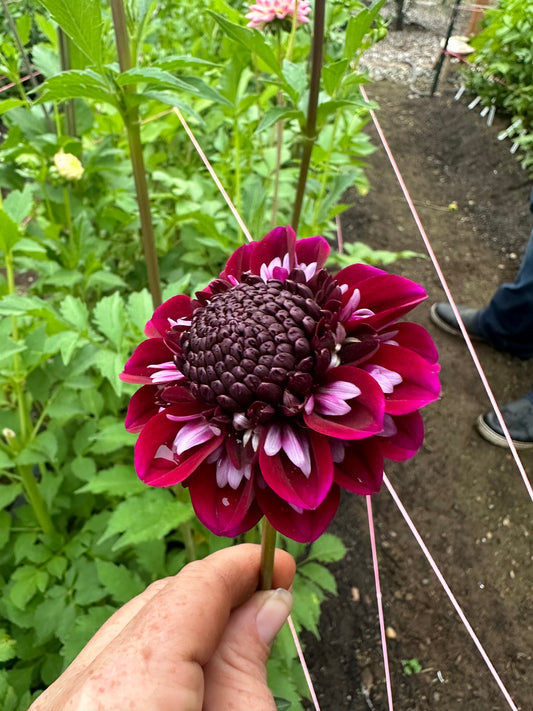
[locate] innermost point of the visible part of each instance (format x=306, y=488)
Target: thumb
x=235, y=676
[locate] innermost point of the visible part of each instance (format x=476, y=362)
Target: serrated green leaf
x=110, y=364
x=307, y=600
x=7, y=646
x=18, y=204
x=140, y=308
x=120, y=480
x=327, y=549
x=277, y=113
x=332, y=75
x=9, y=232
x=109, y=316
x=320, y=575
x=82, y=22
x=28, y=580
x=42, y=449
x=77, y=84
x=75, y=312
x=160, y=79
x=146, y=517
x=5, y=527
x=5, y=461
x=8, y=494
x=122, y=584
x=29, y=246
x=65, y=343
x=252, y=40
x=8, y=104
x=87, y=588
x=111, y=438
x=104, y=280
x=83, y=629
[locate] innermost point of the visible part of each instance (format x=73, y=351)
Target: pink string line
x=22, y=79
x=448, y=591
x=379, y=600
x=248, y=236
x=213, y=175
x=451, y=300
x=303, y=663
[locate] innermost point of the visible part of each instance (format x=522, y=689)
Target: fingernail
x=273, y=613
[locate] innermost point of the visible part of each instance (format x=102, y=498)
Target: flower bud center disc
x=250, y=348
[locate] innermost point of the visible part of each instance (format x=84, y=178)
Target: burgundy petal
x=420, y=383
x=149, y=352
x=408, y=439
x=175, y=308
x=158, y=471
x=238, y=263
x=389, y=296
x=366, y=415
x=312, y=249
x=141, y=408
x=415, y=337
x=224, y=511
x=291, y=484
x=361, y=470
x=304, y=526
x=277, y=243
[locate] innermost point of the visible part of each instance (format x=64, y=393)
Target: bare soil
x=465, y=496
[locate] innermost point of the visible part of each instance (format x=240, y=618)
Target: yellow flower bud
x=68, y=166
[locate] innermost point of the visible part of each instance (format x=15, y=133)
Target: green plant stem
x=309, y=133
x=294, y=24
x=130, y=116
x=188, y=541
x=64, y=56
x=268, y=548
x=237, y=154
x=31, y=489
x=279, y=146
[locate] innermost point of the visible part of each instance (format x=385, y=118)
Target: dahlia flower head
x=264, y=12
x=278, y=384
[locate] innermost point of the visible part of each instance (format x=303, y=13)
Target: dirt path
x=465, y=496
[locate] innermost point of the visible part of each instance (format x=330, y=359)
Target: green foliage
x=502, y=71
x=79, y=533
x=411, y=666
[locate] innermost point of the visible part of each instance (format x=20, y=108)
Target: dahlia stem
x=268, y=548
x=309, y=132
x=130, y=116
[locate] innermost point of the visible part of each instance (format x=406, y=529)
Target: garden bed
x=465, y=496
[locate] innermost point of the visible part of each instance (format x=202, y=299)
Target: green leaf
x=165, y=80
x=110, y=315
x=8, y=494
x=28, y=580
x=332, y=75
x=7, y=646
x=277, y=113
x=146, y=517
x=140, y=308
x=75, y=312
x=105, y=280
x=77, y=84
x=81, y=21
x=110, y=364
x=9, y=348
x=320, y=575
x=18, y=204
x=111, y=438
x=120, y=480
x=5, y=461
x=9, y=232
x=65, y=343
x=42, y=449
x=83, y=629
x=122, y=584
x=29, y=246
x=358, y=26
x=307, y=600
x=252, y=40
x=8, y=104
x=5, y=528
x=327, y=549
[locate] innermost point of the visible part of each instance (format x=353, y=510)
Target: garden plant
x=106, y=213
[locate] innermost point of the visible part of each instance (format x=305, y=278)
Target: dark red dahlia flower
x=278, y=384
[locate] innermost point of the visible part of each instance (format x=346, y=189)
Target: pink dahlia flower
x=279, y=384
x=265, y=11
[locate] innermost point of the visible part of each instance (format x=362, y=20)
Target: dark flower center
x=257, y=348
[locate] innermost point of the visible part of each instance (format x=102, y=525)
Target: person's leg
x=507, y=322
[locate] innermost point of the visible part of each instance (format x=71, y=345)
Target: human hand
x=198, y=641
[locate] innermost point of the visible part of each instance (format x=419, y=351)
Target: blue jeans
x=507, y=322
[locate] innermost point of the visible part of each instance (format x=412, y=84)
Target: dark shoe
x=518, y=416
x=443, y=317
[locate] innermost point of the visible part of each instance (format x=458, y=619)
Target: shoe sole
x=499, y=440
x=444, y=326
